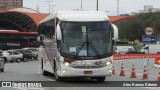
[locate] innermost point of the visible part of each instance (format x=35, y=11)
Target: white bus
x=76, y=44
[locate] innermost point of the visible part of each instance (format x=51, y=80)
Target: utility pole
x=52, y=7
x=81, y=4
x=49, y=2
x=38, y=6
x=107, y=12
x=117, y=7
x=97, y=5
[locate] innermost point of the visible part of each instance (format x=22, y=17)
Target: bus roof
x=16, y=32
x=78, y=16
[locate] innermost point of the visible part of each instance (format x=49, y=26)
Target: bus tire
x=44, y=73
x=57, y=78
x=100, y=79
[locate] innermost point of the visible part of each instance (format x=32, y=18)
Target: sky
x=125, y=6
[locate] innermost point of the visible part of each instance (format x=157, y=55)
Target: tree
x=133, y=28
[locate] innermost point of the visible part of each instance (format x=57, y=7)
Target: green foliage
x=121, y=42
x=133, y=28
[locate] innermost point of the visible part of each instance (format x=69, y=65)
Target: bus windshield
x=86, y=39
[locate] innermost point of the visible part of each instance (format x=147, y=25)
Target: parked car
x=153, y=49
x=26, y=54
x=133, y=52
x=123, y=49
x=12, y=55
x=2, y=62
x=34, y=52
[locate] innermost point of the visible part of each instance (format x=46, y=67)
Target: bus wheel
x=18, y=60
x=101, y=79
x=58, y=78
x=44, y=73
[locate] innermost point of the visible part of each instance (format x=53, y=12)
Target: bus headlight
x=108, y=63
x=66, y=63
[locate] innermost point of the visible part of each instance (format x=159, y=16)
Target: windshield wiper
x=80, y=48
x=95, y=50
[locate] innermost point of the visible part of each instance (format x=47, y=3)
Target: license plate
x=88, y=72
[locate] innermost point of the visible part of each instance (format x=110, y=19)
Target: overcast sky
x=125, y=6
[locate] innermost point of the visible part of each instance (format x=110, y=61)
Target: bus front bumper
x=74, y=72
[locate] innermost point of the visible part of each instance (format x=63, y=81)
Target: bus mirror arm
x=59, y=33
x=115, y=31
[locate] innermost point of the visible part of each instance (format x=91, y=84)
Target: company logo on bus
x=88, y=66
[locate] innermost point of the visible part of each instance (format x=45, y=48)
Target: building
x=10, y=4
x=147, y=9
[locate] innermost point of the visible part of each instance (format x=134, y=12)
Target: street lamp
x=107, y=12
x=52, y=7
x=117, y=7
x=38, y=5
x=81, y=4
x=49, y=5
x=97, y=5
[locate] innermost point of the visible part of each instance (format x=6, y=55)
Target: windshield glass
x=91, y=39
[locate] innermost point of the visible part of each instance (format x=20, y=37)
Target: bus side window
x=50, y=29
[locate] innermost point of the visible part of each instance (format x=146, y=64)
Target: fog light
x=108, y=63
x=64, y=71
x=66, y=63
x=110, y=71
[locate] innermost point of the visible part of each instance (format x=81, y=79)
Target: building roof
x=24, y=9
x=114, y=19
x=26, y=19
x=22, y=19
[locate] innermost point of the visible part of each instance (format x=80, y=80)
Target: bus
x=14, y=39
x=76, y=44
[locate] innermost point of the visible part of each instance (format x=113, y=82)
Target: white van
x=153, y=49
x=123, y=49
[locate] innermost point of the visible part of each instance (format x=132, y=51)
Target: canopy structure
x=21, y=19
x=115, y=19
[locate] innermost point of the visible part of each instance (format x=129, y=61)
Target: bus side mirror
x=59, y=33
x=115, y=31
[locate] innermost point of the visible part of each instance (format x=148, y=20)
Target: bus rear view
x=81, y=45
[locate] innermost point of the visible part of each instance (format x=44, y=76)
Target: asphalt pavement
x=28, y=71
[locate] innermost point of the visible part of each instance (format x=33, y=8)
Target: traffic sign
x=149, y=39
x=148, y=31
